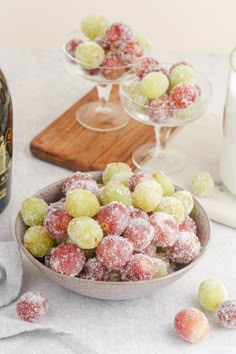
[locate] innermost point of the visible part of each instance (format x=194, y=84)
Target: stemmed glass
x=158, y=156
x=100, y=115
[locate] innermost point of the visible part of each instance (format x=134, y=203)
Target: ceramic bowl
x=113, y=290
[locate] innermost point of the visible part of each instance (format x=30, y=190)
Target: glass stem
x=103, y=92
x=162, y=135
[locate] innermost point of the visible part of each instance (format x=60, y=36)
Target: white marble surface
x=41, y=90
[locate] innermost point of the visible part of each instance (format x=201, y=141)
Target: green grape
x=37, y=241
x=94, y=26
x=113, y=168
x=147, y=195
x=122, y=177
x=202, y=184
x=186, y=199
x=135, y=94
x=90, y=55
x=172, y=206
x=115, y=191
x=80, y=202
x=211, y=294
x=166, y=183
x=155, y=84
x=144, y=43
x=85, y=232
x=181, y=73
x=33, y=211
x=160, y=268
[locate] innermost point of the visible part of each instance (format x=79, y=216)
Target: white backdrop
x=172, y=25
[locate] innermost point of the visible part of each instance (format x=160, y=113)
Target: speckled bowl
x=113, y=290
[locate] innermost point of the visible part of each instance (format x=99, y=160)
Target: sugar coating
x=139, y=267
x=94, y=26
x=85, y=232
x=188, y=224
x=160, y=268
x=32, y=306
x=130, y=51
x=172, y=206
x=151, y=249
x=155, y=84
x=114, y=252
x=161, y=110
x=67, y=258
x=185, y=249
x=72, y=45
x=181, y=73
x=113, y=168
x=226, y=314
x=211, y=293
x=165, y=228
x=33, y=211
x=165, y=182
x=56, y=221
x=112, y=67
x=137, y=213
x=147, y=195
x=202, y=184
x=115, y=191
x=145, y=66
x=140, y=233
x=80, y=202
x=80, y=181
x=38, y=241
x=191, y=324
x=94, y=270
x=122, y=177
x=183, y=95
x=103, y=42
x=186, y=199
x=90, y=55
x=113, y=218
x=138, y=177
x=117, y=33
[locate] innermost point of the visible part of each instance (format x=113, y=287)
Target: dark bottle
x=6, y=120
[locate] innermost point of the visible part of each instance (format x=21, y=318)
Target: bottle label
x=5, y=162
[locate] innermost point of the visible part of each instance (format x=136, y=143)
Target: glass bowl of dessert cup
x=164, y=117
x=104, y=66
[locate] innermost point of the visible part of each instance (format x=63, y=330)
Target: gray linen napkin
x=10, y=272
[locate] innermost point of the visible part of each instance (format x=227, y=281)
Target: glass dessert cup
x=101, y=115
x=157, y=156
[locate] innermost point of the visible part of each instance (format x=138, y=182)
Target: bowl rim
x=174, y=274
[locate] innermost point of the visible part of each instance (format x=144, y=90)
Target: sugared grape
x=85, y=232
x=140, y=233
x=94, y=270
x=183, y=95
x=147, y=195
x=94, y=26
x=90, y=55
x=165, y=182
x=181, y=73
x=112, y=67
x=139, y=267
x=137, y=213
x=122, y=177
x=67, y=258
x=161, y=109
x=226, y=314
x=72, y=45
x=151, y=249
x=104, y=43
x=160, y=268
x=135, y=94
x=145, y=66
x=166, y=229
x=80, y=202
x=185, y=249
x=155, y=84
x=32, y=306
x=114, y=252
x=130, y=51
x=115, y=191
x=172, y=206
x=186, y=199
x=202, y=184
x=211, y=293
x=188, y=224
x=138, y=177
x=113, y=168
x=38, y=241
x=113, y=218
x=117, y=33
x=191, y=324
x=33, y=211
x=56, y=221
x=82, y=181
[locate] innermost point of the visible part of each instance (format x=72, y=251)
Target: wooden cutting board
x=68, y=144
